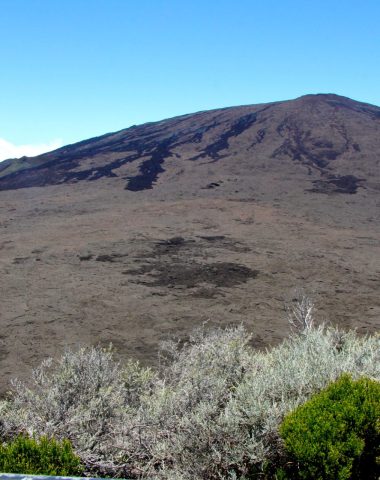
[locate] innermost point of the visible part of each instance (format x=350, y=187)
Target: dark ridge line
x=197, y=137
x=295, y=148
x=32, y=177
x=99, y=172
x=150, y=169
x=237, y=128
x=213, y=149
x=64, y=159
x=56, y=172
x=259, y=138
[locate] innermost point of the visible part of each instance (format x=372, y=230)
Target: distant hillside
x=333, y=141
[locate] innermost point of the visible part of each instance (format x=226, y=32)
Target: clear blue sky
x=73, y=69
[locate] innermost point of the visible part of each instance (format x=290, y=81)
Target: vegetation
x=213, y=410
x=39, y=457
x=336, y=434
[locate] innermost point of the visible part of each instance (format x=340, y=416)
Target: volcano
x=215, y=216
x=331, y=139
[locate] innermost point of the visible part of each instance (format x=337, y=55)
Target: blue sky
x=74, y=69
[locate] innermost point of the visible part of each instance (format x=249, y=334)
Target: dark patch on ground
x=113, y=257
x=212, y=185
x=323, y=144
x=177, y=263
x=173, y=241
x=346, y=183
x=171, y=246
x=20, y=260
x=85, y=258
x=338, y=184
x=187, y=275
x=212, y=238
x=105, y=257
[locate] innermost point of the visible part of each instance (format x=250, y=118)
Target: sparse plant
x=213, y=409
x=301, y=311
x=81, y=397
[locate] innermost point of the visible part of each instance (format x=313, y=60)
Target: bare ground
x=84, y=265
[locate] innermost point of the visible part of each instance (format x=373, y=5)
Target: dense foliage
x=39, y=457
x=211, y=411
x=336, y=434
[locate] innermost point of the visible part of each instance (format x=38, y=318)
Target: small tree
x=39, y=457
x=301, y=312
x=336, y=434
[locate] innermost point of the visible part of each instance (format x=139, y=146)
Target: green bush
x=39, y=457
x=336, y=434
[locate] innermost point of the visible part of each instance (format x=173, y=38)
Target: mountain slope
x=332, y=139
